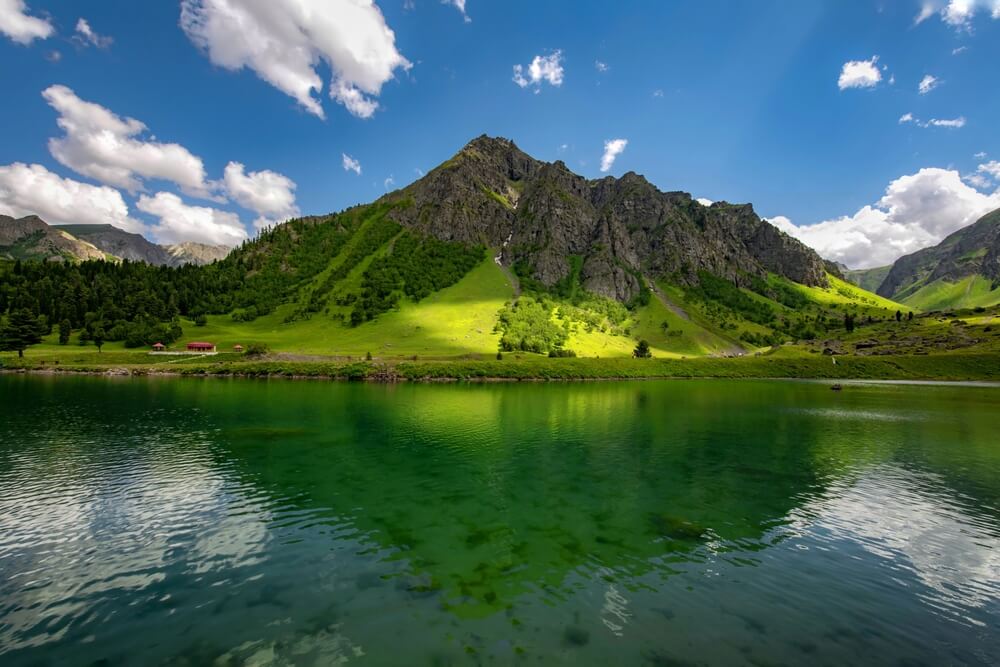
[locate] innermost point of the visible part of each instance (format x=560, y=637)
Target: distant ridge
x=31, y=237
x=961, y=271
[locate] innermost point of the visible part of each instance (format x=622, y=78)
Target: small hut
x=199, y=346
x=159, y=347
x=238, y=348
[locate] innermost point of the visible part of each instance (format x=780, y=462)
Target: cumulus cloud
x=350, y=164
x=269, y=194
x=928, y=83
x=907, y=118
x=284, y=41
x=704, y=202
x=601, y=66
x=180, y=222
x=612, y=149
x=109, y=148
x=34, y=190
x=389, y=182
x=917, y=211
x=16, y=23
x=542, y=69
x=86, y=36
x=957, y=13
x=860, y=74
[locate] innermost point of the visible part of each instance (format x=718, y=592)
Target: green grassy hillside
x=969, y=292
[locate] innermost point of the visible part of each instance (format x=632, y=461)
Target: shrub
x=256, y=350
x=642, y=351
x=559, y=354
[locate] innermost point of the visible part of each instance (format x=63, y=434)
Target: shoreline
x=983, y=369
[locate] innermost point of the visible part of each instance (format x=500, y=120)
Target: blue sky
x=727, y=100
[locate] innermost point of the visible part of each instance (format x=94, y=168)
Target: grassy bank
x=916, y=367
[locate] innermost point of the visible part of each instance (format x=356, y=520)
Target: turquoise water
x=194, y=522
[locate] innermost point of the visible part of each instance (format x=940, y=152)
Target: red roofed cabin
x=237, y=348
x=201, y=347
x=159, y=347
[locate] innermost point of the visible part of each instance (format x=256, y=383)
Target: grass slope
x=967, y=293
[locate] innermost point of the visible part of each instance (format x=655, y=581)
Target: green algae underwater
x=166, y=521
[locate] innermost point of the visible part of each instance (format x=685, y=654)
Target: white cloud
x=612, y=149
x=34, y=190
x=86, y=35
x=542, y=69
x=917, y=211
x=389, y=182
x=657, y=93
x=269, y=194
x=977, y=181
x=928, y=83
x=16, y=23
x=991, y=168
x=601, y=66
x=860, y=74
x=283, y=42
x=957, y=13
x=350, y=164
x=704, y=202
x=958, y=50
x=980, y=155
x=953, y=123
x=106, y=147
x=460, y=6
x=180, y=222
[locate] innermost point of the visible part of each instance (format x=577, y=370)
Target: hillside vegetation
x=477, y=260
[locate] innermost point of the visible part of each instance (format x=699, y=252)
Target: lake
x=168, y=521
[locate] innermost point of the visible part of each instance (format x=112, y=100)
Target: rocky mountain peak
x=541, y=214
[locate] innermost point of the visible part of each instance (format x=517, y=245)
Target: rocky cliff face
x=30, y=238
x=119, y=243
x=539, y=215
x=190, y=252
x=974, y=250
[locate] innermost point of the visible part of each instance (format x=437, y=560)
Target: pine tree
x=642, y=351
x=65, y=328
x=99, y=337
x=21, y=331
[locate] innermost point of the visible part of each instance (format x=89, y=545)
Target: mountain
x=30, y=238
x=190, y=252
x=545, y=221
x=119, y=243
x=960, y=272
x=868, y=279
x=491, y=249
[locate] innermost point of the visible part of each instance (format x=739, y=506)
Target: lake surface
x=229, y=522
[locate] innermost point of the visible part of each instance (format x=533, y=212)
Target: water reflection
x=280, y=523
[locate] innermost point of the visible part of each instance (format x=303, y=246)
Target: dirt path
x=514, y=282
x=667, y=303
x=734, y=349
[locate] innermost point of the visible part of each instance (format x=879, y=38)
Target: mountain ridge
x=962, y=270
x=541, y=214
x=30, y=237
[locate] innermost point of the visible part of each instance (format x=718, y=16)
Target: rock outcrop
x=539, y=216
